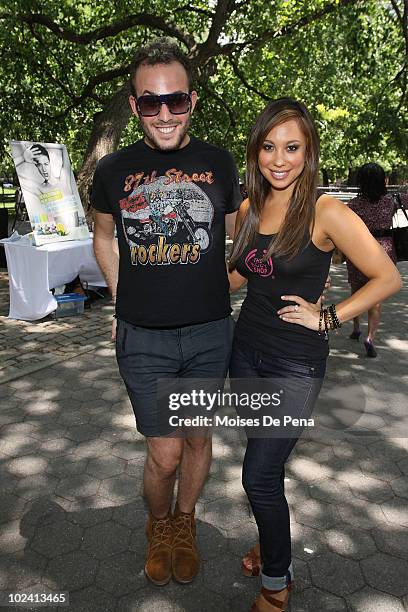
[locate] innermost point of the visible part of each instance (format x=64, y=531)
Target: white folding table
x=33, y=271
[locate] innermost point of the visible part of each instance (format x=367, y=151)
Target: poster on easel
x=50, y=191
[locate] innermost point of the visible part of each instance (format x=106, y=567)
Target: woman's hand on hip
x=302, y=312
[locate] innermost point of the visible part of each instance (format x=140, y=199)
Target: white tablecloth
x=33, y=271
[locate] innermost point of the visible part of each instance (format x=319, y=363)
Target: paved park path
x=72, y=513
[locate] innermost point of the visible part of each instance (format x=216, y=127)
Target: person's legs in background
x=374, y=317
x=356, y=333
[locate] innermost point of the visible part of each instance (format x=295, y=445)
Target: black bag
x=400, y=234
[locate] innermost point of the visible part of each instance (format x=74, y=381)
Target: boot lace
x=183, y=532
x=161, y=533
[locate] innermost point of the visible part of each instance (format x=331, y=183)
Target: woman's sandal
x=251, y=563
x=267, y=602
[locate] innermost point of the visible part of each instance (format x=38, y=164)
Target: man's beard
x=151, y=137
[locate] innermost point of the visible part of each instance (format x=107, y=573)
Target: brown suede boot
x=185, y=559
x=160, y=541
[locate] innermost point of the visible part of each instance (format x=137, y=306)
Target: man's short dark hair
x=43, y=150
x=160, y=51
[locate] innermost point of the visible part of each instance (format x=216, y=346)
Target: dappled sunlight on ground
x=72, y=513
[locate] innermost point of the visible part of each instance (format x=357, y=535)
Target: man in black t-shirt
x=170, y=196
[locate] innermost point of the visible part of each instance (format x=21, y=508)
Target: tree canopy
x=65, y=66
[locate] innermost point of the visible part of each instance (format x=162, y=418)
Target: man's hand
x=230, y=224
x=31, y=153
x=106, y=253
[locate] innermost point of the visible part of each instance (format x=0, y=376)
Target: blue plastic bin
x=69, y=305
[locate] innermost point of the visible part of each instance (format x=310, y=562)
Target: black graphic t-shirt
x=170, y=212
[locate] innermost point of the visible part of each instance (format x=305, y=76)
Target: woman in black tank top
x=284, y=240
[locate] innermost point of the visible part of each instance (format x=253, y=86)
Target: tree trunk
x=104, y=139
x=325, y=176
x=352, y=177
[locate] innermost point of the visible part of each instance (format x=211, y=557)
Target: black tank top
x=259, y=325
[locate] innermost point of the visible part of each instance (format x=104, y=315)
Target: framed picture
x=50, y=191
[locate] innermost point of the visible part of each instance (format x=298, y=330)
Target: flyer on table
x=50, y=191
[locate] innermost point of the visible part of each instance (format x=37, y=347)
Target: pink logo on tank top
x=257, y=266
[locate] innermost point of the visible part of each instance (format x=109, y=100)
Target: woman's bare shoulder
x=327, y=204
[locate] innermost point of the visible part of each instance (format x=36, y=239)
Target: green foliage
x=343, y=65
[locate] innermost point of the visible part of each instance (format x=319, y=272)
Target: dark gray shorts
x=146, y=355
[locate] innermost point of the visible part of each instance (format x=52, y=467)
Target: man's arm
x=106, y=249
x=230, y=224
x=107, y=254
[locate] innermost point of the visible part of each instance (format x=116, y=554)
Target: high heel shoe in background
x=251, y=563
x=369, y=347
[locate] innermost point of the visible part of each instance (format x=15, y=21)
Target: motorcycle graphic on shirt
x=170, y=214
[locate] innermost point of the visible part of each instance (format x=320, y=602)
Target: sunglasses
x=177, y=103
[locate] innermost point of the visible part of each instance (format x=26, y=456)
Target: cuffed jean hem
x=277, y=583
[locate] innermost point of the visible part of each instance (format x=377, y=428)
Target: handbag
x=400, y=234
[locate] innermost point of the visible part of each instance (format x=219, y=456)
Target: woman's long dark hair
x=371, y=182
x=300, y=215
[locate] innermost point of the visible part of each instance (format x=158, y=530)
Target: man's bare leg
x=195, y=464
x=194, y=468
x=163, y=457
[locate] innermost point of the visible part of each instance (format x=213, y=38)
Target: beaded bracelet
x=330, y=321
x=321, y=316
x=326, y=323
x=328, y=317
x=323, y=320
x=334, y=316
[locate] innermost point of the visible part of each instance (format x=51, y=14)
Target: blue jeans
x=263, y=469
